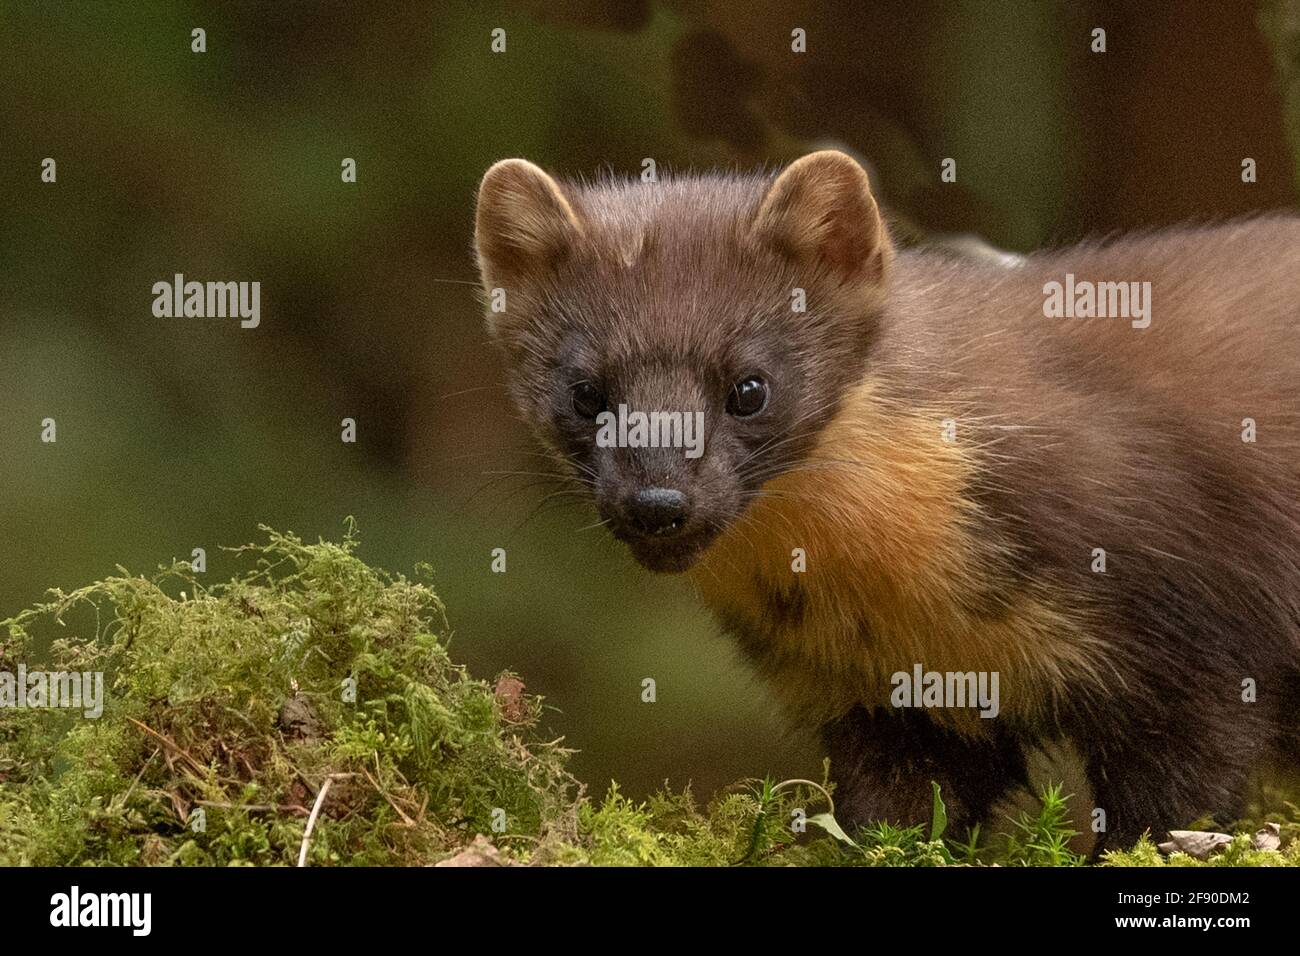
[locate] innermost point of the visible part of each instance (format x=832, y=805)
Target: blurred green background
x=225, y=165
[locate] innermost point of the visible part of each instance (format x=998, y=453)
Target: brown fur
x=965, y=555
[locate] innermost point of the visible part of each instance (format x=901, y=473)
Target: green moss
x=1238, y=853
x=228, y=708
x=233, y=700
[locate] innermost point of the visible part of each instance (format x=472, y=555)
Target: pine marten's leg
x=1286, y=744
x=1171, y=763
x=883, y=761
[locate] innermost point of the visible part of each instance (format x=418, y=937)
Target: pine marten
x=1079, y=475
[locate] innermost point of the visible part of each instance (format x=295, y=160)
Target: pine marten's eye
x=748, y=397
x=588, y=400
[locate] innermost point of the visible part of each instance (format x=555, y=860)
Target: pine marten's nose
x=657, y=511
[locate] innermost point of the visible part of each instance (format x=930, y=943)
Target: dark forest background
x=225, y=165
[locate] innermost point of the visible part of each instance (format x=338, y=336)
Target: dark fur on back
x=1099, y=435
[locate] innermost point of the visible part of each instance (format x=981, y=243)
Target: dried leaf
x=1269, y=837
x=479, y=853
x=1199, y=844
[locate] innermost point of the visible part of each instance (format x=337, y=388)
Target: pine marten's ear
x=523, y=224
x=820, y=212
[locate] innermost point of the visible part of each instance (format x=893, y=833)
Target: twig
x=171, y=745
x=391, y=802
x=143, y=768
x=315, y=812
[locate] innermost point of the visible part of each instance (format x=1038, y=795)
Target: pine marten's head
x=740, y=309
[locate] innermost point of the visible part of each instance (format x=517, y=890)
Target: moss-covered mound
x=241, y=700
x=307, y=712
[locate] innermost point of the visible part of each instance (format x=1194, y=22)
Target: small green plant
x=1043, y=839
x=969, y=852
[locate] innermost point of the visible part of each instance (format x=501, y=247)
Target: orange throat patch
x=868, y=560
